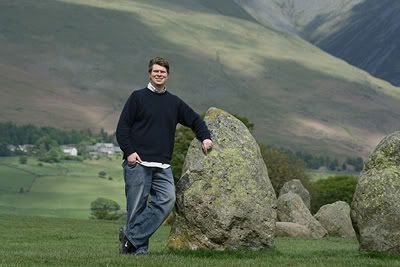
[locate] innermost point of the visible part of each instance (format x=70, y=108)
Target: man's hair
x=159, y=61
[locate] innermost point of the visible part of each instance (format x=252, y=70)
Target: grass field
x=66, y=189
x=61, y=189
x=317, y=174
x=40, y=241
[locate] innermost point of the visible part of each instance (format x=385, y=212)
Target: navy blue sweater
x=148, y=122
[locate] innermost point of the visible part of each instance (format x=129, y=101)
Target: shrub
x=23, y=159
x=102, y=174
x=332, y=189
x=52, y=156
x=105, y=209
x=283, y=167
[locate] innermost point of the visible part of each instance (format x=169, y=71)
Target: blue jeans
x=145, y=215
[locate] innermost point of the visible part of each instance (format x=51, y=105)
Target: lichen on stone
x=225, y=198
x=376, y=203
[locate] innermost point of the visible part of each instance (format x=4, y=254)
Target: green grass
x=40, y=241
x=323, y=174
x=63, y=189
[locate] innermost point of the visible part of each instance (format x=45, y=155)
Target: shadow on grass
x=213, y=254
x=380, y=255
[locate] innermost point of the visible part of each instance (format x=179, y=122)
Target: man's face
x=158, y=76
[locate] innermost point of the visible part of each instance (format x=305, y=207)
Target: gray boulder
x=225, y=198
x=295, y=186
x=375, y=210
x=291, y=208
x=290, y=229
x=335, y=218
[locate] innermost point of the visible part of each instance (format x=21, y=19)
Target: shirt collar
x=155, y=90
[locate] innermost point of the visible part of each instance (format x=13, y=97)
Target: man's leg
x=161, y=204
x=137, y=188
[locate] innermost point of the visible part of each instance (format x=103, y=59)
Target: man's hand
x=206, y=145
x=133, y=158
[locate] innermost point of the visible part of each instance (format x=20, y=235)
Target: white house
x=70, y=150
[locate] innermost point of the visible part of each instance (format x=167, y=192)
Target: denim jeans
x=144, y=214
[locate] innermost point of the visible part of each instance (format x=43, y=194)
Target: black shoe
x=125, y=246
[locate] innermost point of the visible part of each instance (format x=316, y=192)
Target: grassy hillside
x=64, y=190
x=66, y=242
x=72, y=64
x=376, y=48
x=308, y=18
x=364, y=33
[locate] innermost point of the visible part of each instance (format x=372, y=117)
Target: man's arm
x=189, y=118
x=125, y=123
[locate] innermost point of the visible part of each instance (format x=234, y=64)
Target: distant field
x=62, y=189
x=66, y=189
x=317, y=174
x=43, y=241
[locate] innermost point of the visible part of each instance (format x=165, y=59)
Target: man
x=146, y=133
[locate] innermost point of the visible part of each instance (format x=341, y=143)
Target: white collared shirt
x=154, y=164
x=154, y=89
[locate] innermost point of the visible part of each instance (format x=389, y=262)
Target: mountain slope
x=303, y=17
x=369, y=39
x=365, y=33
x=73, y=63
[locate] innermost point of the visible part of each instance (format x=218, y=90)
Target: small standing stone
x=295, y=186
x=292, y=230
x=335, y=218
x=291, y=208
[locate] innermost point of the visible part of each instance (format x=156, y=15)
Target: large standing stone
x=291, y=208
x=292, y=230
x=225, y=198
x=335, y=218
x=295, y=186
x=375, y=209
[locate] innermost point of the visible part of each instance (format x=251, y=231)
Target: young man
x=146, y=133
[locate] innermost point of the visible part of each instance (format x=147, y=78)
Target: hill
x=365, y=33
x=72, y=64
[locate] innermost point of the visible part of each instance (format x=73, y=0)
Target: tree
x=334, y=165
x=283, y=167
x=82, y=149
x=183, y=138
x=358, y=164
x=245, y=121
x=344, y=166
x=53, y=155
x=105, y=209
x=332, y=189
x=44, y=144
x=4, y=151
